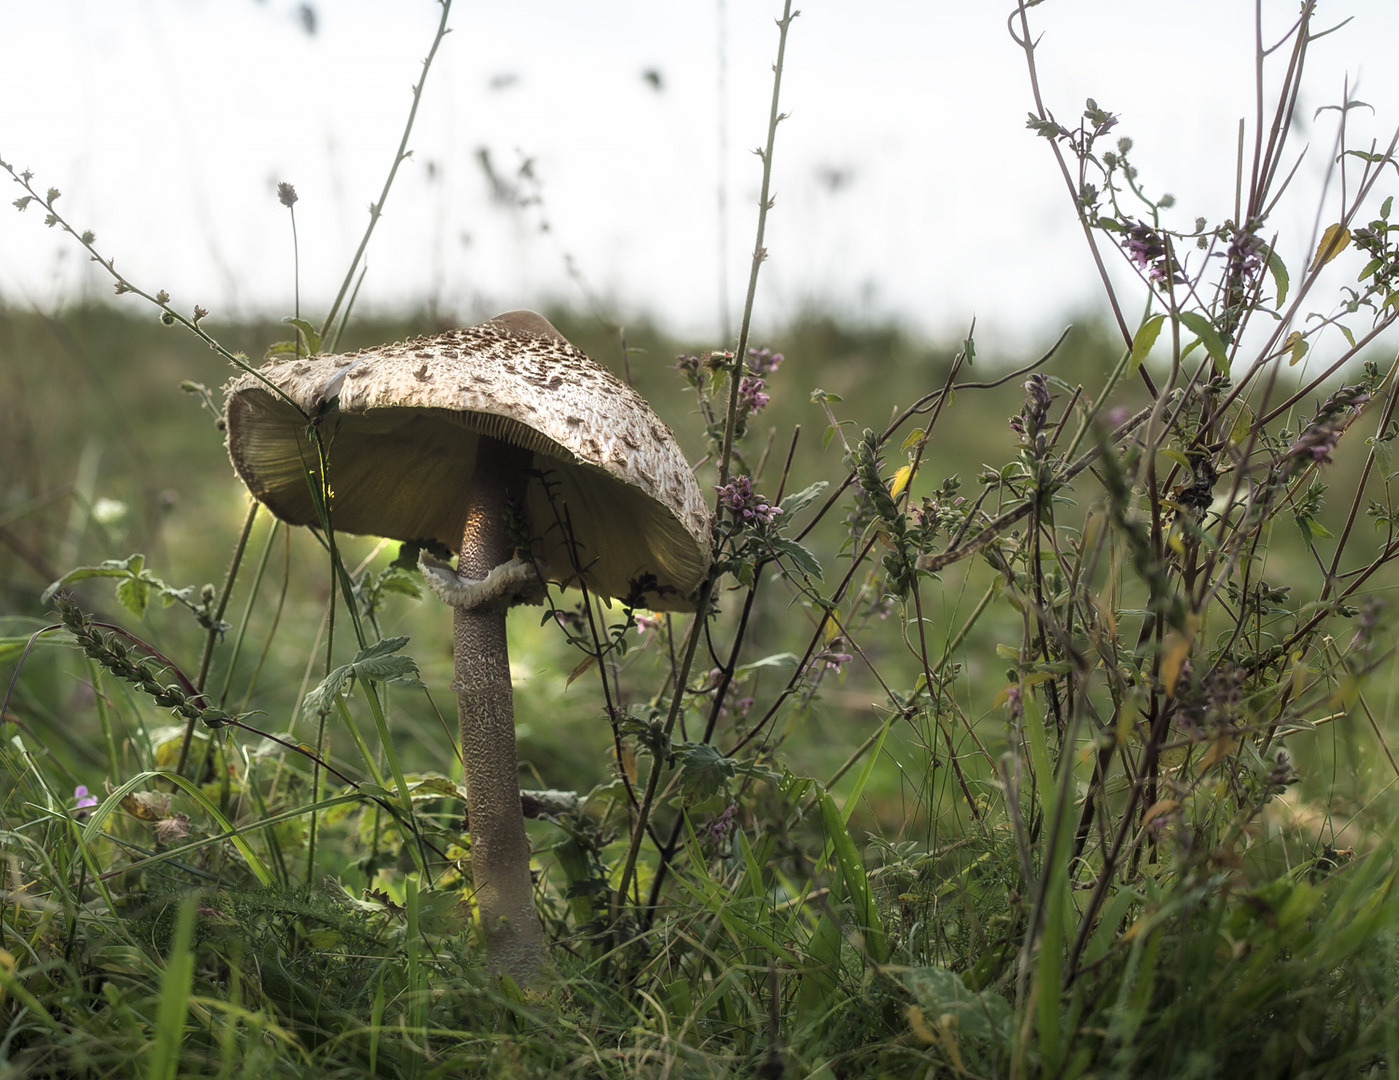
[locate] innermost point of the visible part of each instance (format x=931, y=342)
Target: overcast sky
x=906, y=183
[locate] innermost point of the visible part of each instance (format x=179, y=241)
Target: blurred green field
x=104, y=455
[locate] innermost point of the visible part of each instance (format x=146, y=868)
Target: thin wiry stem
x=377, y=209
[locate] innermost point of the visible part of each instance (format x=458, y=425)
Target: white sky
x=167, y=123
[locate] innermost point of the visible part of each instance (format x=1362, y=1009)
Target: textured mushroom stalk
x=486, y=713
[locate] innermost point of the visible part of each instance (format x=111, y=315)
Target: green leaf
x=940, y=992
x=1209, y=337
x=857, y=886
x=703, y=770
x=135, y=595
x=803, y=558
x=112, y=568
x=378, y=661
x=1279, y=271
x=803, y=498
x=775, y=660
x=1145, y=339
x=308, y=333
x=319, y=700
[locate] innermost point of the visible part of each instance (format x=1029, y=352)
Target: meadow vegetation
x=1037, y=720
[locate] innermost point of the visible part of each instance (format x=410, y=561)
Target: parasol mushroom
x=440, y=440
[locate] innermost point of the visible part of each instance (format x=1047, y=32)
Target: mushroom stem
x=486, y=713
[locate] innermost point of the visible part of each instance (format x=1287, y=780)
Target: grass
x=1058, y=747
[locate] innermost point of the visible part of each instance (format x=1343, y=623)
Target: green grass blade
x=174, y=998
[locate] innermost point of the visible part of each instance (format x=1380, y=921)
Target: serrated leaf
x=703, y=770
x=135, y=595
x=1145, y=339
x=1280, y=280
x=803, y=498
x=280, y=348
x=799, y=555
x=382, y=647
x=320, y=699
x=387, y=668
x=1333, y=241
x=1202, y=328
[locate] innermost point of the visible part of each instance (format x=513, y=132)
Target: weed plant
x=1120, y=809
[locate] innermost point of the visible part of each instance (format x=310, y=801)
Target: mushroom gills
x=389, y=457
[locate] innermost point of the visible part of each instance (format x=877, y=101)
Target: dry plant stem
x=759, y=252
x=725, y=459
x=486, y=713
x=1024, y=40
x=213, y=635
x=377, y=209
x=677, y=701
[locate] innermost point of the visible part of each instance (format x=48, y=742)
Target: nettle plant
x=1161, y=606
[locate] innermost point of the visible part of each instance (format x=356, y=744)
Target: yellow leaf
x=1333, y=241
x=1174, y=651
x=913, y=437
x=900, y=481
x=1221, y=749
x=140, y=805
x=1003, y=696
x=1297, y=344
x=1163, y=806
x=921, y=1031
x=629, y=765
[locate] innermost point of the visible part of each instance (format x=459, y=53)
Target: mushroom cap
x=402, y=423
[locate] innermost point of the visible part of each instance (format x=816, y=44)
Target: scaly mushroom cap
x=402, y=423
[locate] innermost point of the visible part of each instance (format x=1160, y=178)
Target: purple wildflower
x=763, y=362
x=646, y=622
x=1147, y=248
x=720, y=828
x=745, y=504
x=1319, y=438
x=85, y=802
x=831, y=657
x=751, y=398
